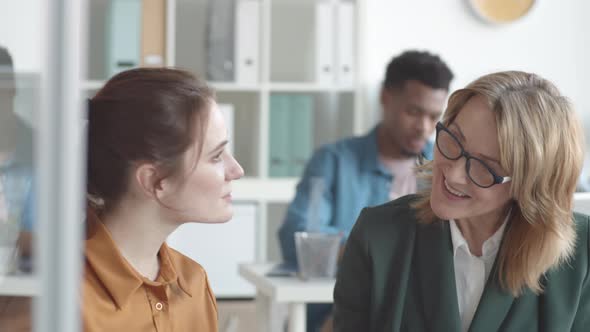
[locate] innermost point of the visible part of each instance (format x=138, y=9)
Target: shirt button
x=159, y=306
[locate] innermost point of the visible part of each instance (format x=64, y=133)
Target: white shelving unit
x=286, y=65
x=19, y=285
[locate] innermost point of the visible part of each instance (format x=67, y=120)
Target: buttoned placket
x=158, y=301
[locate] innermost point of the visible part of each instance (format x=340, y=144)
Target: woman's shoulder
x=191, y=276
x=582, y=234
x=184, y=265
x=393, y=218
x=582, y=222
x=576, y=268
x=396, y=212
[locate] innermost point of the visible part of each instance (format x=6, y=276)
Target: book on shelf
x=220, y=40
x=301, y=132
x=290, y=134
x=124, y=35
x=247, y=36
x=153, y=33
x=279, y=135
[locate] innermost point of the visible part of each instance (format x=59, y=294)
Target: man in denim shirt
x=370, y=170
x=16, y=167
x=17, y=215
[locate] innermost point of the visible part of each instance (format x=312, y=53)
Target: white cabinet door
x=219, y=248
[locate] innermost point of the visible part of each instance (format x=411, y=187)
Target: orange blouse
x=118, y=298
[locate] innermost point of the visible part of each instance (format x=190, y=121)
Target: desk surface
x=287, y=289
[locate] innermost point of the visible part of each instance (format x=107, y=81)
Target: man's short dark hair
x=424, y=67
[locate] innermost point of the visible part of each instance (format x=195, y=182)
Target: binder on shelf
x=207, y=245
x=301, y=136
x=290, y=134
x=153, y=33
x=247, y=36
x=324, y=42
x=220, y=40
x=345, y=55
x=228, y=115
x=279, y=149
x=124, y=35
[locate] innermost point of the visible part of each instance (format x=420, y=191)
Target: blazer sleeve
x=582, y=320
x=352, y=293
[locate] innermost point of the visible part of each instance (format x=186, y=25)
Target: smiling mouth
x=453, y=191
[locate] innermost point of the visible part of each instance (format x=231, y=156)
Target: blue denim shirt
x=351, y=178
x=16, y=177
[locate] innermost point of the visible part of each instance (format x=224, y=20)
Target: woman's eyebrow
x=460, y=131
x=219, y=146
x=483, y=156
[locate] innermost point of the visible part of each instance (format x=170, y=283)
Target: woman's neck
x=139, y=232
x=478, y=229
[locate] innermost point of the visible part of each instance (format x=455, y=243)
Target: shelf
x=92, y=84
x=281, y=87
x=220, y=86
x=308, y=87
x=229, y=86
x=269, y=190
x=19, y=285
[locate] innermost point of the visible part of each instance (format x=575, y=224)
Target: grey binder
x=220, y=40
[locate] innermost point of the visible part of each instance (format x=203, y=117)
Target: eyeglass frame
x=497, y=178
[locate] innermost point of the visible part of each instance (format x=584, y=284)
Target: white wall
x=553, y=41
x=20, y=32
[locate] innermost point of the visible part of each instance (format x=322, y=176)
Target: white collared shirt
x=472, y=272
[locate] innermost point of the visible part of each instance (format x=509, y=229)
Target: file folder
x=220, y=40
x=324, y=28
x=153, y=33
x=346, y=36
x=247, y=41
x=124, y=33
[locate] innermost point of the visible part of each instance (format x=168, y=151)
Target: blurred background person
x=16, y=197
x=370, y=170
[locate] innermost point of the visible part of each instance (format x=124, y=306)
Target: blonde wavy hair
x=542, y=147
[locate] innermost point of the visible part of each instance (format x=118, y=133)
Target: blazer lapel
x=493, y=305
x=436, y=272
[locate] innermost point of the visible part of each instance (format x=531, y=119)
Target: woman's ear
x=148, y=181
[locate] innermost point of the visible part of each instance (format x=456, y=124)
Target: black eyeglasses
x=477, y=170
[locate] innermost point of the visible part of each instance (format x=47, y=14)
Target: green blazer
x=398, y=275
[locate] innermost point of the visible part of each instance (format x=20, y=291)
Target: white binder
x=228, y=115
x=324, y=24
x=346, y=35
x=247, y=36
x=219, y=248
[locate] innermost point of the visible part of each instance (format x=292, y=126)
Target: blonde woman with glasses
x=492, y=244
